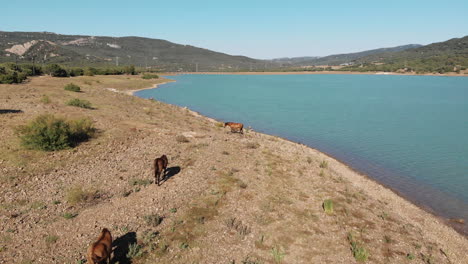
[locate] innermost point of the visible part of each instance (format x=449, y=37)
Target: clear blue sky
x=255, y=28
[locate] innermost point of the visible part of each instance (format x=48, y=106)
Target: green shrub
x=50, y=133
x=359, y=252
x=76, y=72
x=278, y=255
x=80, y=103
x=148, y=76
x=13, y=77
x=328, y=206
x=72, y=87
x=55, y=70
x=68, y=215
x=134, y=251
x=323, y=164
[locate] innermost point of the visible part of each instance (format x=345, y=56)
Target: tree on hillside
x=55, y=70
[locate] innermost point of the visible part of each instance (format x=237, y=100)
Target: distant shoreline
x=319, y=72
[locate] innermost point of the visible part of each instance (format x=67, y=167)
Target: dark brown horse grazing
x=235, y=127
x=100, y=251
x=160, y=166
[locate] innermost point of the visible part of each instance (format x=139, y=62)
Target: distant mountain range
x=337, y=59
x=77, y=50
x=100, y=51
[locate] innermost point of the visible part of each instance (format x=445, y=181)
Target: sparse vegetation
x=359, y=252
x=69, y=215
x=38, y=205
x=45, y=99
x=78, y=194
x=328, y=206
x=238, y=226
x=147, y=76
x=80, y=103
x=72, y=88
x=49, y=133
x=50, y=239
x=134, y=251
x=323, y=164
x=153, y=219
x=140, y=182
x=278, y=255
x=410, y=256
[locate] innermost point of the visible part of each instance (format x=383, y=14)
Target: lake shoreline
x=156, y=85
x=456, y=226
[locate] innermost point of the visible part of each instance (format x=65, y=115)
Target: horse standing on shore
x=160, y=166
x=235, y=127
x=100, y=251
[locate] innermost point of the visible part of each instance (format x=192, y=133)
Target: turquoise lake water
x=407, y=132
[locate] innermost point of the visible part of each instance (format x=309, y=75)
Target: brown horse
x=235, y=127
x=100, y=251
x=160, y=166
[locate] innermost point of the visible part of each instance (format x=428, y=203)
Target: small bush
x=50, y=133
x=143, y=182
x=182, y=139
x=153, y=219
x=50, y=239
x=359, y=252
x=328, y=206
x=134, y=251
x=323, y=164
x=148, y=76
x=277, y=254
x=72, y=88
x=80, y=103
x=45, y=99
x=237, y=225
x=79, y=195
x=219, y=124
x=68, y=215
x=322, y=173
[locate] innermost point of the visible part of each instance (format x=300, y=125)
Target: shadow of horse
x=10, y=111
x=170, y=172
x=122, y=245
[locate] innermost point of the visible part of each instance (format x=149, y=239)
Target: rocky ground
x=229, y=198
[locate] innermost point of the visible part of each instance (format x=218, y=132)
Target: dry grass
x=78, y=194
